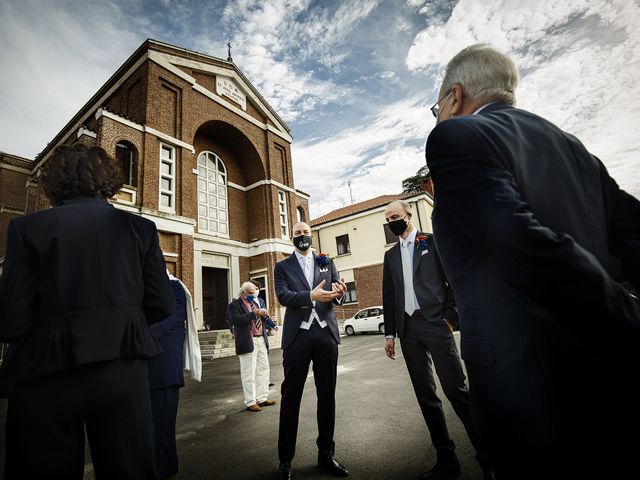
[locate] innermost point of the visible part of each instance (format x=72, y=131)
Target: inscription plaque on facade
x=216, y=261
x=227, y=87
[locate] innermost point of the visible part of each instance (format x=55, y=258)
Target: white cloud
x=376, y=157
x=55, y=66
x=579, y=62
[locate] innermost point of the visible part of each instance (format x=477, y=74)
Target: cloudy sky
x=354, y=79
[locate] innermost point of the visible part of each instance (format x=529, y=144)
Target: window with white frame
x=167, y=177
x=213, y=212
x=350, y=296
x=284, y=224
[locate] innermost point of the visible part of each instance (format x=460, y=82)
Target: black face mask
x=303, y=242
x=398, y=227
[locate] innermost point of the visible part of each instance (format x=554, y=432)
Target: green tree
x=412, y=184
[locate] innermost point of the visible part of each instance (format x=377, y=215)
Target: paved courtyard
x=380, y=434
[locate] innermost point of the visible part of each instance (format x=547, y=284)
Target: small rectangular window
x=389, y=237
x=350, y=296
x=167, y=177
x=342, y=244
x=282, y=205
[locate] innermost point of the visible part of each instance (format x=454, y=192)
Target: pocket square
x=424, y=251
x=325, y=269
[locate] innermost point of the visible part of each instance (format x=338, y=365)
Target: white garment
x=254, y=373
x=192, y=353
x=306, y=263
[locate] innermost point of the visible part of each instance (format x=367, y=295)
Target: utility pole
x=350, y=193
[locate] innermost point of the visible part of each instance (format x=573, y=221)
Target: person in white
x=252, y=347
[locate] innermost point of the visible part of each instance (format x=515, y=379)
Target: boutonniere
x=421, y=243
x=323, y=260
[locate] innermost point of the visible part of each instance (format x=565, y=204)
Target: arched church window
x=213, y=210
x=128, y=163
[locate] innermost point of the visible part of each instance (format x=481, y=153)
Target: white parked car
x=369, y=319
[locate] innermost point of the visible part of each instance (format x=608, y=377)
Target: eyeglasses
x=435, y=109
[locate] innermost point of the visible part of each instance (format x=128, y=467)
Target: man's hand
x=260, y=312
x=321, y=295
x=339, y=287
x=390, y=348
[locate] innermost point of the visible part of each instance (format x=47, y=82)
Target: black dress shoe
x=284, y=471
x=332, y=466
x=442, y=471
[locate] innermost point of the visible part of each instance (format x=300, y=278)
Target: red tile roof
x=362, y=207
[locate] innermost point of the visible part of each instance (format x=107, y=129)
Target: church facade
x=202, y=154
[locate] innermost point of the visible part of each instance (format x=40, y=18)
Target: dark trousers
x=426, y=341
x=164, y=406
x=47, y=417
x=315, y=345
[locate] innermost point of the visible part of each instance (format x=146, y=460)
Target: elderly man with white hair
x=252, y=347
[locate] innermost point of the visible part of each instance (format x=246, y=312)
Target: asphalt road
x=380, y=433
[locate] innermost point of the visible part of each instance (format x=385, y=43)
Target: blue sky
x=353, y=79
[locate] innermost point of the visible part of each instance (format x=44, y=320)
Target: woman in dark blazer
x=81, y=283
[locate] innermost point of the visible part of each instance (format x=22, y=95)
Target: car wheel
x=349, y=330
x=381, y=328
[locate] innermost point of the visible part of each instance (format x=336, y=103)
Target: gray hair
x=484, y=73
x=246, y=286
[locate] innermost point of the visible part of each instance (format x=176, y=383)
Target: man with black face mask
x=308, y=285
x=420, y=309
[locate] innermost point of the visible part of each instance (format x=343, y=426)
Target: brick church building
x=202, y=154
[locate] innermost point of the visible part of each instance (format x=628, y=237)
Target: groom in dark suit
x=420, y=309
x=525, y=221
x=307, y=284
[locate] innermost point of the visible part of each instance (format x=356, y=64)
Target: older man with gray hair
x=252, y=347
x=525, y=221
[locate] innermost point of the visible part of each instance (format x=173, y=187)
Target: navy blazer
x=167, y=369
x=525, y=219
x=294, y=292
x=81, y=282
x=429, y=283
x=240, y=317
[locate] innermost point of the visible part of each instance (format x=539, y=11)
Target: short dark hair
x=80, y=171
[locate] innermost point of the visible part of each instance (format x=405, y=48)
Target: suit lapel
x=242, y=304
x=298, y=269
x=396, y=263
x=417, y=254
x=316, y=272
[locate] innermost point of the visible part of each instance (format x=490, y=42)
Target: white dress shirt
x=308, y=268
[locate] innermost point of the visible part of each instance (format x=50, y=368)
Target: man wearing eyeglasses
x=525, y=221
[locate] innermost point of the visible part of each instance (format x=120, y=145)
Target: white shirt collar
x=304, y=258
x=411, y=238
x=483, y=107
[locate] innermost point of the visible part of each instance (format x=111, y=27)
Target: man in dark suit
x=166, y=377
x=81, y=283
x=419, y=308
x=310, y=334
x=249, y=323
x=525, y=220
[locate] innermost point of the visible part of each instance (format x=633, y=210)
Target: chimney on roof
x=426, y=185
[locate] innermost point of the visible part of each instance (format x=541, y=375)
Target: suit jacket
x=525, y=219
x=293, y=292
x=429, y=283
x=81, y=282
x=240, y=317
x=167, y=369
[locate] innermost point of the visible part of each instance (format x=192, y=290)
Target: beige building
x=357, y=236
